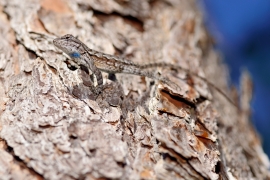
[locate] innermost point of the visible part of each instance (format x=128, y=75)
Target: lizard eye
x=67, y=36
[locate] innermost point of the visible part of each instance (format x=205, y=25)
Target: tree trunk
x=53, y=127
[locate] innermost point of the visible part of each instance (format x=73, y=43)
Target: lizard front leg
x=72, y=63
x=97, y=73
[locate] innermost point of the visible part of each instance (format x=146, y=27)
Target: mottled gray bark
x=138, y=128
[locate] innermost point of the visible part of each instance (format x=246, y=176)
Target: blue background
x=242, y=32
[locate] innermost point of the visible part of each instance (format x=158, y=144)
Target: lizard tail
x=176, y=67
x=167, y=65
x=159, y=64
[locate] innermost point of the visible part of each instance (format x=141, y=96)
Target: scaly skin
x=97, y=61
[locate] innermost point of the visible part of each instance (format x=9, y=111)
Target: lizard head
x=69, y=45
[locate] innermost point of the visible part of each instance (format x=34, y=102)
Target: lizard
x=82, y=56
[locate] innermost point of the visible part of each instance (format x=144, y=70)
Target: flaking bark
x=137, y=128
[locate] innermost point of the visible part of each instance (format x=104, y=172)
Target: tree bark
x=137, y=128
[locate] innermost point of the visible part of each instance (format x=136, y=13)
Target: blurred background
x=242, y=32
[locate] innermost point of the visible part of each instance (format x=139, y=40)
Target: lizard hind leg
x=162, y=79
x=170, y=83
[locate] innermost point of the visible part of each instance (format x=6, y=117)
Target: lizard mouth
x=55, y=41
